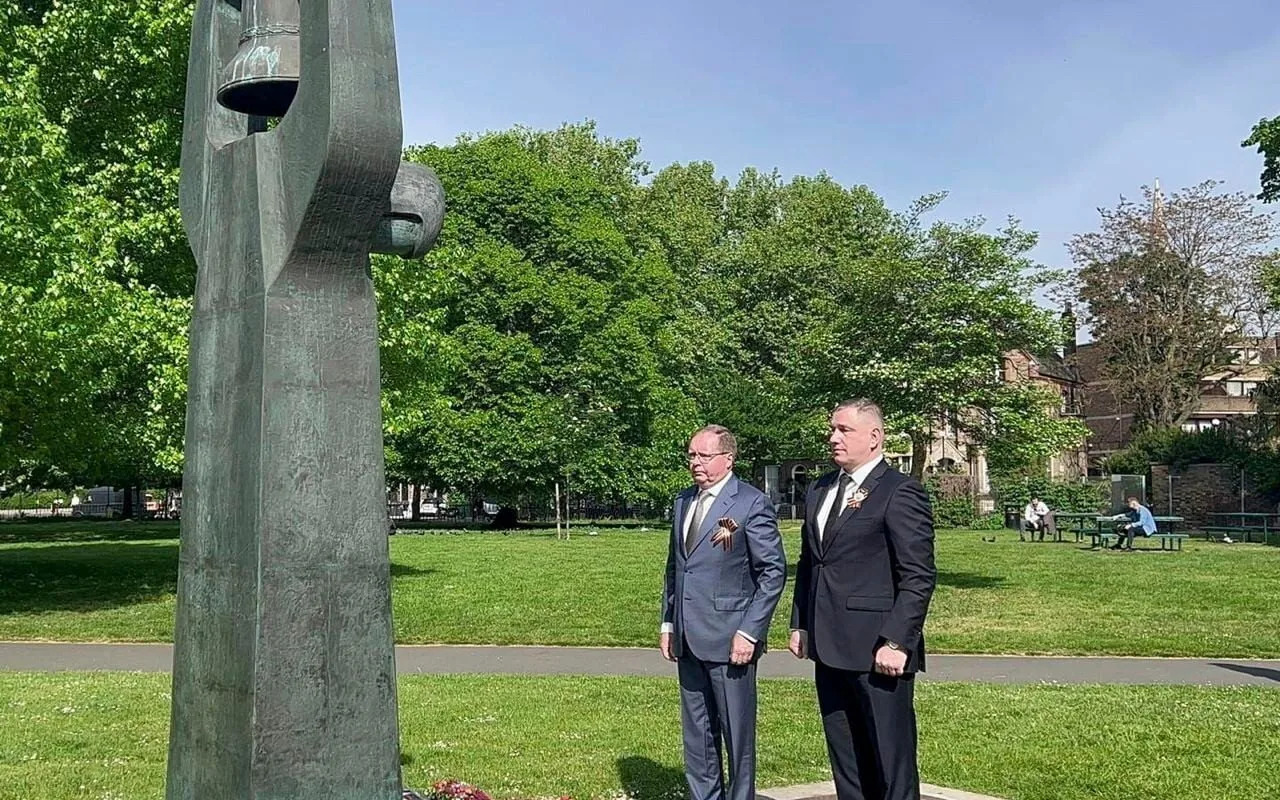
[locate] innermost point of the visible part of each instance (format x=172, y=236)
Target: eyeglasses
x=704, y=457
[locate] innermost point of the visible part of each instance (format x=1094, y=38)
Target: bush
x=1177, y=448
x=1058, y=495
x=24, y=500
x=953, y=512
x=952, y=501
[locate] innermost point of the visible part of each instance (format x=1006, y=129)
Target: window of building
x=1246, y=355
x=1199, y=425
x=1241, y=388
x=900, y=463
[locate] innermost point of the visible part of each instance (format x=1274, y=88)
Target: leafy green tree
x=92, y=264
x=530, y=354
x=699, y=222
x=1266, y=137
x=922, y=323
x=1021, y=431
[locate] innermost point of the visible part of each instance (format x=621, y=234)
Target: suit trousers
x=718, y=712
x=870, y=723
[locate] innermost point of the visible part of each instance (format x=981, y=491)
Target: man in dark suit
x=725, y=573
x=862, y=588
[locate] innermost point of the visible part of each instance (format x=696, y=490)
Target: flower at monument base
x=448, y=790
x=457, y=790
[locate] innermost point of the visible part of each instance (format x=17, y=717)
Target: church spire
x=1157, y=210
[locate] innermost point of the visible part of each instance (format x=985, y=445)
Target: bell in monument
x=262, y=78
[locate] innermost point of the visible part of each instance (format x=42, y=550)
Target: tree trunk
x=557, y=509
x=416, y=512
x=506, y=518
x=919, y=452
x=128, y=510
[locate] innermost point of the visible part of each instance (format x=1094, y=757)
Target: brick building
x=1225, y=396
x=951, y=450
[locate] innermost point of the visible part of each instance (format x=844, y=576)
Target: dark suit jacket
x=871, y=577
x=712, y=593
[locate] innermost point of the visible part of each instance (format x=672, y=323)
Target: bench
x=1168, y=541
x=1245, y=533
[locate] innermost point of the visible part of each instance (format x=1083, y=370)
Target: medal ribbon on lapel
x=723, y=536
x=859, y=495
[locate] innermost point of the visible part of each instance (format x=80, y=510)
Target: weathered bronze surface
x=284, y=673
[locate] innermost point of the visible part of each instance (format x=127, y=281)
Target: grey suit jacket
x=714, y=592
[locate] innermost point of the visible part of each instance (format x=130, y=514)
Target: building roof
x=1052, y=365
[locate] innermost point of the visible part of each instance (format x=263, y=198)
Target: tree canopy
x=1169, y=284
x=580, y=316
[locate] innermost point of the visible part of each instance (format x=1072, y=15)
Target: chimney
x=1069, y=325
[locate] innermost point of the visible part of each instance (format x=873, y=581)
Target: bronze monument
x=284, y=681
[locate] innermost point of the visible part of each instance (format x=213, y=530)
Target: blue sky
x=1039, y=109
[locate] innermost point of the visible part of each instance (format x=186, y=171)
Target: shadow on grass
x=955, y=580
x=77, y=530
x=645, y=779
x=98, y=575
x=968, y=580
x=86, y=577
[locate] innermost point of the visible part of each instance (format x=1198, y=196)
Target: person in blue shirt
x=1139, y=519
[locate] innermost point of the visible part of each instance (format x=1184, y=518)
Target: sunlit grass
x=1209, y=600
x=103, y=736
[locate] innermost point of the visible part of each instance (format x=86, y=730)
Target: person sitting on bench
x=1034, y=518
x=1138, y=519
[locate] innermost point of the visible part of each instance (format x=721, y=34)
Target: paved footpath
x=38, y=656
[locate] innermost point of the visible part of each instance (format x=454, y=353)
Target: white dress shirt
x=858, y=476
x=711, y=492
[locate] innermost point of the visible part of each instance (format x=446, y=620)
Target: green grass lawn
x=62, y=581
x=103, y=736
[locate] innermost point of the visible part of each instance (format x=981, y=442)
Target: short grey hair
x=728, y=442
x=862, y=405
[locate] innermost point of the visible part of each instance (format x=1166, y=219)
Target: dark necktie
x=699, y=514
x=837, y=505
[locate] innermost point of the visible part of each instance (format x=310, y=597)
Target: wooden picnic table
x=1245, y=516
x=1078, y=522
x=1245, y=529
x=1165, y=525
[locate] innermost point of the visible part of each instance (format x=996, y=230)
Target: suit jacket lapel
x=716, y=511
x=847, y=514
x=821, y=488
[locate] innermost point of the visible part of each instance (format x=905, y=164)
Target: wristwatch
x=892, y=645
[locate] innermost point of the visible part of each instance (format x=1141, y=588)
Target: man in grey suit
x=725, y=572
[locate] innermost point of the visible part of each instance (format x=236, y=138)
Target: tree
x=700, y=224
x=1168, y=286
x=1022, y=431
x=94, y=271
x=922, y=323
x=810, y=292
x=1266, y=137
x=525, y=350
